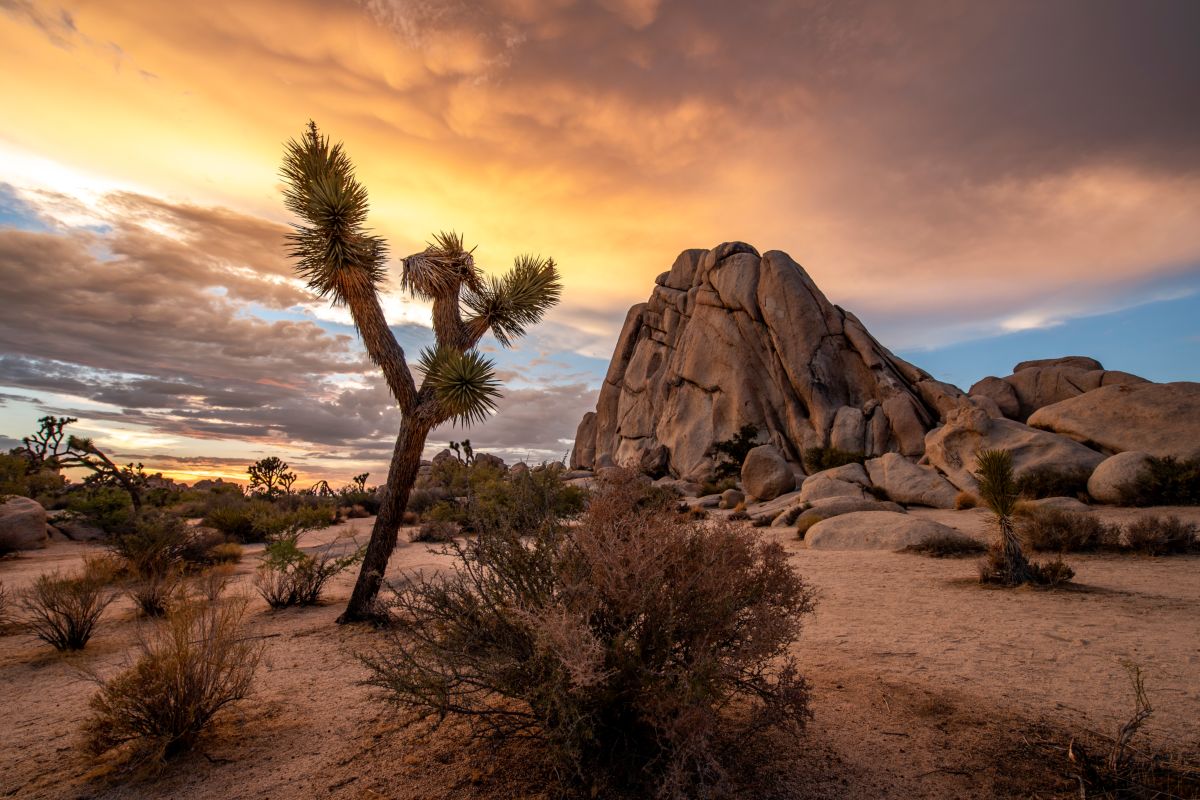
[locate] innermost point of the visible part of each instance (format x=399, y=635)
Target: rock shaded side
x=731, y=337
x=909, y=483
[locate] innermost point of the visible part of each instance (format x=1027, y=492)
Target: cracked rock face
x=730, y=337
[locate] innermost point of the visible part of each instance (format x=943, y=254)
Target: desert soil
x=925, y=684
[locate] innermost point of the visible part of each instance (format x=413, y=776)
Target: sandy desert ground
x=925, y=685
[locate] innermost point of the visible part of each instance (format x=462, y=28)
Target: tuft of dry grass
x=189, y=667
x=436, y=531
x=63, y=610
x=225, y=553
x=964, y=501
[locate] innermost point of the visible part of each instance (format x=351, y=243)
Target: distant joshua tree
x=270, y=476
x=344, y=262
x=359, y=481
x=44, y=450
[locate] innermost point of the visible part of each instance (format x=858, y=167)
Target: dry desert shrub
x=1050, y=481
x=1165, y=482
x=948, y=545
x=964, y=501
x=225, y=553
x=1161, y=536
x=63, y=610
x=288, y=576
x=189, y=667
x=1052, y=530
x=436, y=531
x=632, y=647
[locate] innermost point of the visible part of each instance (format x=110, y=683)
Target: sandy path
x=919, y=675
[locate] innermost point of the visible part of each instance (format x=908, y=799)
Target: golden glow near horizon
x=899, y=153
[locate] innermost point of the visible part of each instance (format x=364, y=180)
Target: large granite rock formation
x=730, y=337
x=1036, y=384
x=1162, y=419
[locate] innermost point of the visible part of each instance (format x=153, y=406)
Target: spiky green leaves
x=333, y=250
x=465, y=384
x=510, y=304
x=441, y=268
x=997, y=487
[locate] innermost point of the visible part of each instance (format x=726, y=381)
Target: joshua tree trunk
x=402, y=474
x=1015, y=563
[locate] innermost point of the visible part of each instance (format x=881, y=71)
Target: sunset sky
x=980, y=182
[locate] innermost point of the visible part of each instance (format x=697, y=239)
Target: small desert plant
x=156, y=593
x=819, y=459
x=946, y=545
x=1056, y=531
x=225, y=553
x=1051, y=481
x=288, y=576
x=1165, y=481
x=717, y=486
x=629, y=646
x=803, y=523
x=1005, y=563
x=211, y=583
x=964, y=501
x=189, y=668
x=437, y=531
x=63, y=610
x=1161, y=536
x=155, y=545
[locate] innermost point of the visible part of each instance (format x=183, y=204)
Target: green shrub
x=818, y=459
x=946, y=545
x=1049, y=481
x=731, y=453
x=1055, y=531
x=63, y=610
x=106, y=507
x=189, y=668
x=154, y=545
x=631, y=646
x=288, y=576
x=1165, y=482
x=250, y=520
x=1161, y=536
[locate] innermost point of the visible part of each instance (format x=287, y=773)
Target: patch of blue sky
x=1159, y=340
x=16, y=213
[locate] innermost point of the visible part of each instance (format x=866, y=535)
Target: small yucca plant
x=1005, y=563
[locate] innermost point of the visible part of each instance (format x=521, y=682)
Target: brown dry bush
x=189, y=667
x=63, y=610
x=632, y=647
x=1052, y=530
x=436, y=531
x=1161, y=536
x=946, y=545
x=964, y=501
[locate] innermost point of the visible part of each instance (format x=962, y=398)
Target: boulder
x=1115, y=474
x=952, y=447
x=872, y=530
x=490, y=460
x=22, y=525
x=445, y=455
x=78, y=530
x=850, y=473
x=731, y=337
x=819, y=487
x=1036, y=384
x=1071, y=504
x=683, y=488
x=909, y=483
x=521, y=468
x=766, y=474
x=731, y=497
x=771, y=508
x=837, y=506
x=1160, y=419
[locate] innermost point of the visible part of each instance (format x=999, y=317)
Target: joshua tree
x=360, y=481
x=343, y=261
x=44, y=450
x=1006, y=561
x=270, y=476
